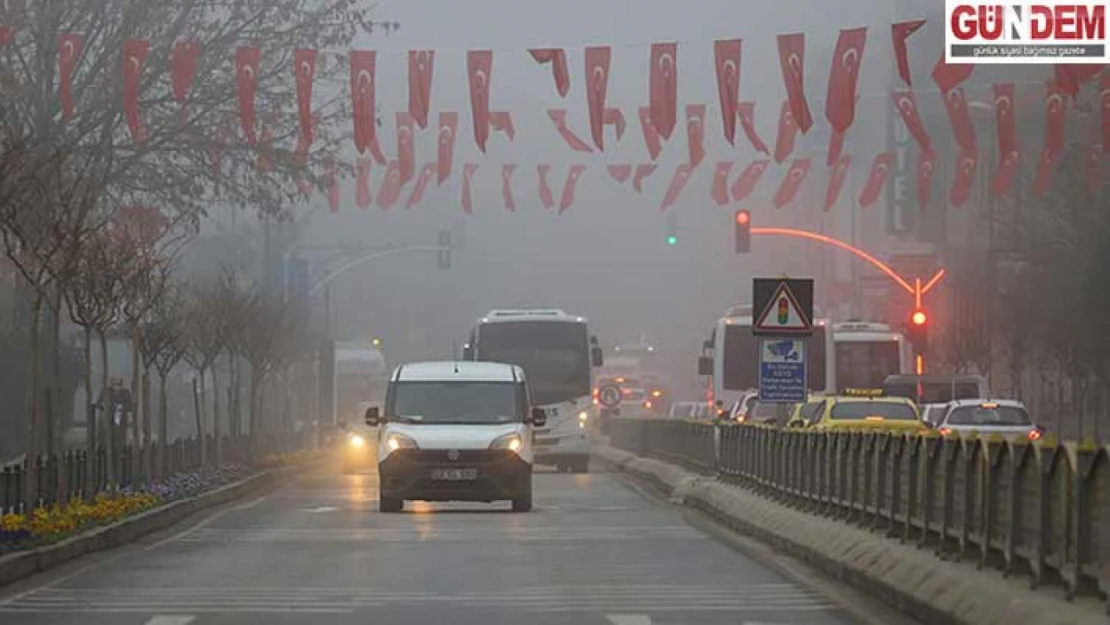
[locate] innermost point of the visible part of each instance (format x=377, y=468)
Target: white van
x=456, y=431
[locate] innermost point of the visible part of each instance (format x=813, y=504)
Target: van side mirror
x=539, y=417
x=596, y=357
x=373, y=416
x=705, y=365
x=468, y=353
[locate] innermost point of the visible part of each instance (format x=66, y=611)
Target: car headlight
x=583, y=416
x=512, y=442
x=356, y=441
x=400, y=441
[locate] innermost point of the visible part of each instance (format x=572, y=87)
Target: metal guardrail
x=1035, y=509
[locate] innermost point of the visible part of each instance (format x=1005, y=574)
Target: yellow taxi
x=867, y=410
x=802, y=415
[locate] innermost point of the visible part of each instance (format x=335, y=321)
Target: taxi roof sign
x=864, y=392
x=785, y=306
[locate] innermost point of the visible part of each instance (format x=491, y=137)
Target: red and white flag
x=70, y=46
x=1104, y=100
x=468, y=174
x=876, y=180
x=960, y=117
x=375, y=149
x=479, y=66
x=546, y=197
x=678, y=183
x=1054, y=120
x=507, y=187
x=840, y=107
x=652, y=139
x=615, y=118
x=304, y=63
x=926, y=167
x=719, y=191
x=792, y=54
x=746, y=112
x=597, y=86
x=183, y=64
x=390, y=190
x=421, y=64
x=363, y=195
x=502, y=121
x=134, y=58
x=1070, y=77
x=1046, y=168
x=695, y=133
x=663, y=88
x=363, y=105
x=836, y=147
x=837, y=174
x=747, y=180
x=791, y=182
x=448, y=126
x=574, y=142
x=1004, y=176
x=966, y=164
x=641, y=174
x=558, y=60
x=727, y=56
x=406, y=153
x=620, y=173
x=906, y=104
x=332, y=181
x=421, y=185
x=788, y=132
x=1004, y=116
x=900, y=32
x=949, y=76
x=566, y=200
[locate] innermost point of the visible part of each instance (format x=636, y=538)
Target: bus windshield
x=741, y=356
x=865, y=364
x=555, y=356
x=933, y=392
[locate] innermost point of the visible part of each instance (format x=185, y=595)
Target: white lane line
x=163, y=619
x=209, y=519
x=629, y=619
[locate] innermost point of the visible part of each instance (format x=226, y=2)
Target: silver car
x=1002, y=416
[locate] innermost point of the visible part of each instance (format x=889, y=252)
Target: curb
x=22, y=564
x=907, y=579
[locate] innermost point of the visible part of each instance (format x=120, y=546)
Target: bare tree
x=204, y=334
x=164, y=348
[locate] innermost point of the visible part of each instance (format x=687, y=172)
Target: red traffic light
x=919, y=318
x=743, y=217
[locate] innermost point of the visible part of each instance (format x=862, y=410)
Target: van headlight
x=400, y=441
x=583, y=416
x=512, y=442
x=354, y=440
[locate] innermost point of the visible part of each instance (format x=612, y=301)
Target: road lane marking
x=209, y=519
x=163, y=619
x=629, y=619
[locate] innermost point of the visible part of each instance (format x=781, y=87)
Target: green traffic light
x=672, y=240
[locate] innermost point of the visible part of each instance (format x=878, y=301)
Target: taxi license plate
x=455, y=475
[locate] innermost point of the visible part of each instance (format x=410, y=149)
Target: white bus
x=734, y=366
x=868, y=352
x=558, y=355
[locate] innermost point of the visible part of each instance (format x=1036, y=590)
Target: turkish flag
x=246, y=71
x=468, y=174
x=746, y=112
x=966, y=164
x=574, y=142
x=836, y=147
x=448, y=125
x=546, y=197
x=597, y=86
x=960, y=118
x=1005, y=175
x=1070, y=77
x=1054, y=120
x=375, y=149
x=479, y=66
x=652, y=139
x=1004, y=116
x=567, y=198
x=620, y=173
x=792, y=54
x=1104, y=100
x=1094, y=167
x=837, y=174
x=695, y=133
x=304, y=60
x=507, y=187
x=363, y=103
x=426, y=173
x=558, y=60
x=663, y=88
x=926, y=167
x=727, y=55
x=876, y=180
x=70, y=46
x=788, y=132
x=746, y=181
x=7, y=35
x=390, y=190
x=641, y=174
x=791, y=182
x=333, y=188
x=406, y=153
x=300, y=152
x=1046, y=167
x=900, y=32
x=840, y=107
x=421, y=63
x=719, y=192
x=134, y=57
x=363, y=195
x=614, y=117
x=183, y=63
x=502, y=121
x=947, y=76
x=678, y=183
x=906, y=104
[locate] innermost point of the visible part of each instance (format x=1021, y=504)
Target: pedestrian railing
x=1036, y=509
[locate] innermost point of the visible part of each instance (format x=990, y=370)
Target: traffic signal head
x=918, y=331
x=672, y=230
x=918, y=318
x=743, y=223
x=444, y=260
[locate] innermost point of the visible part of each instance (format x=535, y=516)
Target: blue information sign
x=782, y=370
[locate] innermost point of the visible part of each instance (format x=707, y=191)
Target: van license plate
x=455, y=475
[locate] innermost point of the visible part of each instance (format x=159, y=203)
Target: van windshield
x=456, y=402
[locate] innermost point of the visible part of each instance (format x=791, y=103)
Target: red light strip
x=813, y=236
x=933, y=281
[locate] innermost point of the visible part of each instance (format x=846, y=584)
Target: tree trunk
x=32, y=424
x=148, y=418
x=105, y=399
x=54, y=427
x=252, y=415
x=137, y=444
x=163, y=427
x=91, y=412
x=216, y=429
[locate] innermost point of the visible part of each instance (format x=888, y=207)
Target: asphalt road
x=316, y=550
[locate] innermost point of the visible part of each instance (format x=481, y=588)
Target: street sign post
x=783, y=307
x=782, y=370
